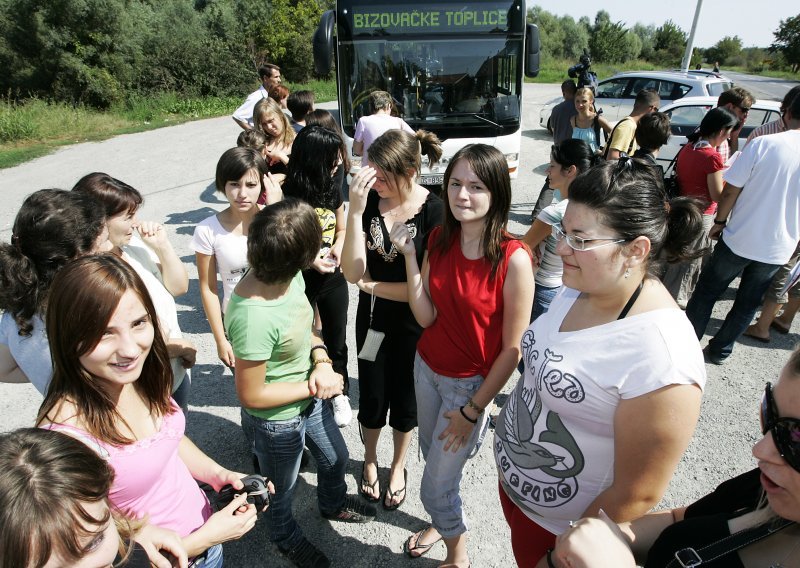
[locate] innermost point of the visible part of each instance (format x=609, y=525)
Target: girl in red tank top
x=472, y=295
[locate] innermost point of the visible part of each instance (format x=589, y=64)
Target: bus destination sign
x=430, y=18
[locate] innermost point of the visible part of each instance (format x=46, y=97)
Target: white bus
x=453, y=67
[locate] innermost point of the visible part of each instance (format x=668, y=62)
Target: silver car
x=686, y=114
x=616, y=95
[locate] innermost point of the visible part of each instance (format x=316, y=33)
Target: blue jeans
x=723, y=266
x=212, y=559
x=279, y=447
x=542, y=297
x=439, y=491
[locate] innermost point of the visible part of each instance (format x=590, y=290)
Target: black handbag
x=690, y=557
x=671, y=184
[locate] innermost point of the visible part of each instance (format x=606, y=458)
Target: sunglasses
x=745, y=110
x=785, y=431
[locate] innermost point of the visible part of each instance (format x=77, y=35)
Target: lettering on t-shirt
x=541, y=469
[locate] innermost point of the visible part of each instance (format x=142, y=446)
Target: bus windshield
x=445, y=86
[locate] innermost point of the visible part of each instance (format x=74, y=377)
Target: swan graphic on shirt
x=541, y=468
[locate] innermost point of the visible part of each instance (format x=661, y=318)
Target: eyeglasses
x=785, y=431
x=581, y=244
x=745, y=110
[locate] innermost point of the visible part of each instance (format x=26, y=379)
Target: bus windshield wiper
x=475, y=115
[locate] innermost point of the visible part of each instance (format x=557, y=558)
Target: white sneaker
x=342, y=413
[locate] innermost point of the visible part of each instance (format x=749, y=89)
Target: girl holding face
x=767, y=497
x=613, y=373
x=111, y=390
x=220, y=241
x=383, y=194
x=586, y=125
x=472, y=295
x=271, y=120
x=145, y=246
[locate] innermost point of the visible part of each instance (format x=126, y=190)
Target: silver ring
x=572, y=524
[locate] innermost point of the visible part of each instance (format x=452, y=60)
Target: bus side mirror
x=323, y=43
x=532, y=47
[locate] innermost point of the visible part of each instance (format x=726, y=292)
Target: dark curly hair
x=52, y=227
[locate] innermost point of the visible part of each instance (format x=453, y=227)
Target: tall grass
x=34, y=127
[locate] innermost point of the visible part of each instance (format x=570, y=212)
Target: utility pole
x=687, y=55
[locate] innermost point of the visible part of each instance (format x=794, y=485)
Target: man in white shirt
x=270, y=76
x=758, y=225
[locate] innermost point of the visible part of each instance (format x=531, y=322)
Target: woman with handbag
x=748, y=521
x=699, y=170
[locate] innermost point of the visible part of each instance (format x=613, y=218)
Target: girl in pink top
x=473, y=297
x=111, y=390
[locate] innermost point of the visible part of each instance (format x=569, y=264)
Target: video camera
x=582, y=71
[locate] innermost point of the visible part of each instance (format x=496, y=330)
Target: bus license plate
x=432, y=179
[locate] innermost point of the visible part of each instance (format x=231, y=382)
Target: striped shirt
x=774, y=127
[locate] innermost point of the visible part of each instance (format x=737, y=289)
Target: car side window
x=612, y=89
x=684, y=120
x=640, y=85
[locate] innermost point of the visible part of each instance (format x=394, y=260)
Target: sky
x=752, y=20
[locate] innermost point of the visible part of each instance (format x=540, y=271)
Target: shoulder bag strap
x=723, y=547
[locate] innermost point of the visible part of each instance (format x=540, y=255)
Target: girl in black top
x=369, y=259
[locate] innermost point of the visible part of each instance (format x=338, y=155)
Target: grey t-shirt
x=559, y=120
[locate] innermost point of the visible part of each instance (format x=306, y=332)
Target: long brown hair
x=491, y=167
x=85, y=294
x=396, y=151
x=46, y=478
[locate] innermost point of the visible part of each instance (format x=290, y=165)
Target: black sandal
x=365, y=483
x=389, y=494
x=420, y=549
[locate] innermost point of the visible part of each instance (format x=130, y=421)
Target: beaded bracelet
x=320, y=346
x=467, y=418
x=323, y=360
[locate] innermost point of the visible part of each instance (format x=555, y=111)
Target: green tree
x=724, y=50
x=646, y=35
x=576, y=37
x=284, y=38
x=669, y=42
x=608, y=43
x=787, y=42
x=551, y=33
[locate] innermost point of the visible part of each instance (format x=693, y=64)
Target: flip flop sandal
x=389, y=494
x=757, y=338
x=365, y=483
x=420, y=550
x=779, y=328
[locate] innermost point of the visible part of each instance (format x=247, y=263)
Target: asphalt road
x=174, y=167
x=762, y=87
